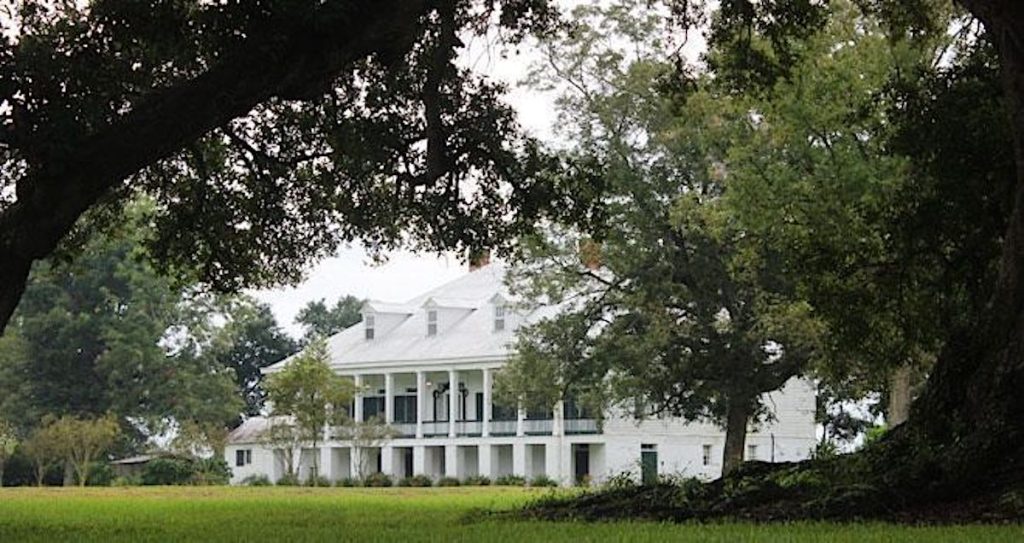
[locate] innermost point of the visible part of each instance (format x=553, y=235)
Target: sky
x=406, y=274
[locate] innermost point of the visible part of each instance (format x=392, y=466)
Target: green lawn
x=404, y=515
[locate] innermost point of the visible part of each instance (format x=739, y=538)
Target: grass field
x=404, y=515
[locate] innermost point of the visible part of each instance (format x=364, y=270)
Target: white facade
x=428, y=365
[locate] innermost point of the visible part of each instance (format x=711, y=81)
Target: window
x=499, y=318
x=706, y=454
x=370, y=322
x=243, y=457
x=432, y=323
x=751, y=452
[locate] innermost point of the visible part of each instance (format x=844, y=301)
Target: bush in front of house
x=448, y=481
x=377, y=480
x=211, y=471
x=416, y=481
x=477, y=480
x=100, y=474
x=168, y=471
x=318, y=480
x=543, y=481
x=288, y=479
x=347, y=482
x=510, y=480
x=256, y=480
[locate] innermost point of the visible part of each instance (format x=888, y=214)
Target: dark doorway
x=649, y=464
x=581, y=459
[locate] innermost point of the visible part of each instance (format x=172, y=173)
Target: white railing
x=503, y=427
x=432, y=429
x=541, y=427
x=469, y=428
x=404, y=429
x=581, y=426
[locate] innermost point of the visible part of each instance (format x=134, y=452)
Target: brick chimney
x=479, y=259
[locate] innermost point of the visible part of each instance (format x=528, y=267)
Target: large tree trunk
x=735, y=435
x=899, y=395
x=974, y=396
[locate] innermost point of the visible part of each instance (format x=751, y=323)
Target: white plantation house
x=428, y=366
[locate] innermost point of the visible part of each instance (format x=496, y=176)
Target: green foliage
x=416, y=481
x=543, y=481
x=101, y=474
x=288, y=479
x=448, y=481
x=168, y=471
x=76, y=442
x=510, y=480
x=477, y=480
x=308, y=390
x=8, y=444
x=319, y=320
x=318, y=481
x=347, y=482
x=257, y=480
x=377, y=480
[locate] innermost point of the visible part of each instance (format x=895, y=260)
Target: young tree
x=40, y=448
x=79, y=442
x=310, y=394
x=8, y=444
x=283, y=436
x=364, y=436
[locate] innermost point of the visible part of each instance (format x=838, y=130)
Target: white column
x=519, y=459
x=451, y=461
x=326, y=467
x=558, y=419
x=488, y=383
x=387, y=460
x=358, y=397
x=553, y=460
x=355, y=458
x=421, y=408
x=389, y=397
x=520, y=417
x=453, y=401
x=483, y=453
x=419, y=460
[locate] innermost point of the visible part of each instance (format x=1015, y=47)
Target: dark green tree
x=319, y=320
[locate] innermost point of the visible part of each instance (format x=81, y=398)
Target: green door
x=649, y=464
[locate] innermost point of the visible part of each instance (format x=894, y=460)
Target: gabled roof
x=470, y=337
x=384, y=307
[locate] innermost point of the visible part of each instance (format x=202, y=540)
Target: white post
x=389, y=397
x=421, y=408
x=451, y=461
x=387, y=460
x=486, y=423
x=326, y=466
x=558, y=422
x=419, y=460
x=519, y=460
x=520, y=417
x=453, y=401
x=483, y=453
x=358, y=378
x=553, y=460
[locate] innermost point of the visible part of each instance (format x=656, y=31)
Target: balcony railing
x=539, y=427
x=503, y=427
x=435, y=428
x=404, y=429
x=469, y=428
x=581, y=426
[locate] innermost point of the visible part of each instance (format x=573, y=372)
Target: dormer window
x=499, y=318
x=431, y=322
x=370, y=323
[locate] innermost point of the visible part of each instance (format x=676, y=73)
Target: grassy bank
x=406, y=515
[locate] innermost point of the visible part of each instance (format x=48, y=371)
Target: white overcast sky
x=406, y=275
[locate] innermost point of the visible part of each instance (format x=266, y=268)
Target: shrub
x=510, y=480
x=131, y=480
x=477, y=480
x=318, y=480
x=346, y=482
x=584, y=481
x=448, y=481
x=100, y=474
x=168, y=471
x=377, y=480
x=256, y=480
x=211, y=471
x=288, y=479
x=543, y=481
x=421, y=480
